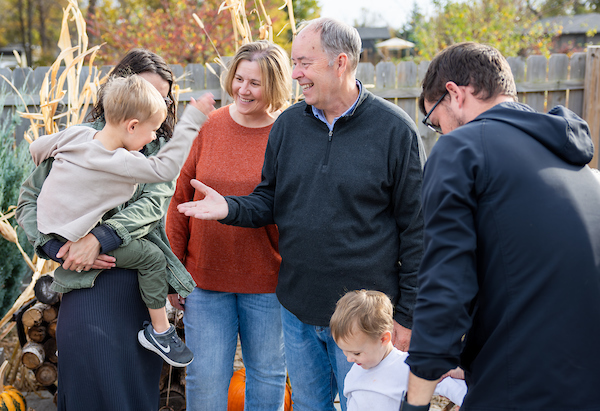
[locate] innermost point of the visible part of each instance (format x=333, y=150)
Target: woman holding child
x=102, y=365
x=235, y=268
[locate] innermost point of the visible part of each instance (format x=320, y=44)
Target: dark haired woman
x=101, y=367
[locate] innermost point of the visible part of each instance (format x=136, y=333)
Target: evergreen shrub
x=15, y=165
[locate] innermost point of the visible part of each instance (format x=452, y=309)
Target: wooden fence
x=541, y=83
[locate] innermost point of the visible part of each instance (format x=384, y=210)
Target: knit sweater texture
x=87, y=180
x=347, y=204
x=227, y=157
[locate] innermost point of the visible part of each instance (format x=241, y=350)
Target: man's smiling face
x=312, y=70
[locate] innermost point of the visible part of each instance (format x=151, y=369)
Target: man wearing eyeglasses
x=510, y=279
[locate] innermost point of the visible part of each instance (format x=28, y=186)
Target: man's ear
x=132, y=124
x=341, y=64
x=457, y=93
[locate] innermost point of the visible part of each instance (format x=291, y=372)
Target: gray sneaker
x=168, y=345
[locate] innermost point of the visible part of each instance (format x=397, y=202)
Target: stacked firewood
x=37, y=328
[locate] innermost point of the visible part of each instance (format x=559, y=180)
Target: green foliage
x=408, y=31
x=551, y=8
x=508, y=25
x=305, y=9
x=16, y=165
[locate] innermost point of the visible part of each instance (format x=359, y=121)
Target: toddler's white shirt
x=382, y=387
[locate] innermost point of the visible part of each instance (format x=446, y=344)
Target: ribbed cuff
x=108, y=238
x=405, y=406
x=51, y=248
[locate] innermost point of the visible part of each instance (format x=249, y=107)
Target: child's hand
x=457, y=373
x=206, y=103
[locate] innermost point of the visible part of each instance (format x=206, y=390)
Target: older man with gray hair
x=341, y=179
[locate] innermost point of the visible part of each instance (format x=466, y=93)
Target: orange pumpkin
x=237, y=392
x=11, y=399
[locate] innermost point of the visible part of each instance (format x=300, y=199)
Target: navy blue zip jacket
x=512, y=255
x=347, y=204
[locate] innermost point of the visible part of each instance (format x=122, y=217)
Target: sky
x=392, y=13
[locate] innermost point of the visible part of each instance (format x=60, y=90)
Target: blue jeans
x=316, y=366
x=212, y=322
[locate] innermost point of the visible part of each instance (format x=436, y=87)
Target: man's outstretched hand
x=212, y=207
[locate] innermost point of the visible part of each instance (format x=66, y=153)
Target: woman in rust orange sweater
x=235, y=268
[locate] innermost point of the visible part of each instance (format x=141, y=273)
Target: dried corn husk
x=9, y=233
x=53, y=92
x=56, y=89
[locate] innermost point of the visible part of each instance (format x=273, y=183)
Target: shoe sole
x=149, y=346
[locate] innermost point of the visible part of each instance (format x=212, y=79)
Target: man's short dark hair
x=474, y=64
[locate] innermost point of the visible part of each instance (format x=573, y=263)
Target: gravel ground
x=42, y=400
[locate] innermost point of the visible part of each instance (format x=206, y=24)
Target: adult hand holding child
x=106, y=317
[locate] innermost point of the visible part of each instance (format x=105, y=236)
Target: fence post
x=366, y=74
x=591, y=97
x=558, y=70
x=537, y=67
x=577, y=72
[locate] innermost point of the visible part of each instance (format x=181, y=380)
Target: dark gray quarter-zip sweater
x=347, y=204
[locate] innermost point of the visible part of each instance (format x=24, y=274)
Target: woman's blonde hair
x=366, y=311
x=275, y=71
x=131, y=97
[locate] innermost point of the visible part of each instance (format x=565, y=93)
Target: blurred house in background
x=575, y=32
x=371, y=36
x=7, y=56
x=394, y=47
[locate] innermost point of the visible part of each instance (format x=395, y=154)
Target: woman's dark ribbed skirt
x=101, y=365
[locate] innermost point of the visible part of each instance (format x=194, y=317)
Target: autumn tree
x=508, y=25
x=168, y=28
x=164, y=26
x=33, y=24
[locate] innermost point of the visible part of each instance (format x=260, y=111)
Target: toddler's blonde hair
x=131, y=97
x=366, y=311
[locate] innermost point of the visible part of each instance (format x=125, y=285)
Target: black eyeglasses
x=437, y=129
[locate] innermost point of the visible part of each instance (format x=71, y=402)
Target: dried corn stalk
x=241, y=28
x=9, y=233
x=68, y=90
x=53, y=91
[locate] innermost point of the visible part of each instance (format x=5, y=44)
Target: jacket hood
x=560, y=130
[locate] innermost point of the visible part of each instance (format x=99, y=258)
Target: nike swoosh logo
x=166, y=349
